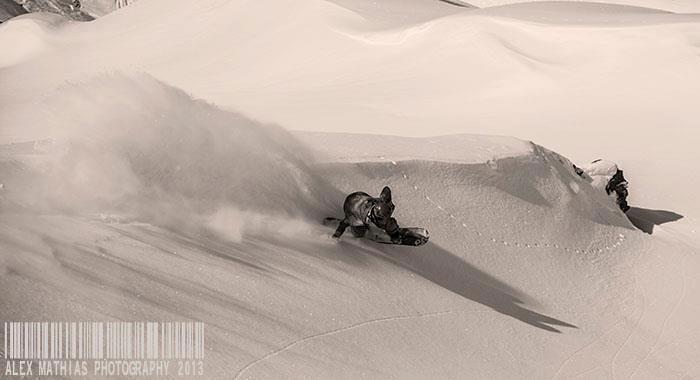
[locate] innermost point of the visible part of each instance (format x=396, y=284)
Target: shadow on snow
x=645, y=219
x=451, y=272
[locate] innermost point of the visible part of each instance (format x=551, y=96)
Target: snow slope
x=303, y=64
x=133, y=190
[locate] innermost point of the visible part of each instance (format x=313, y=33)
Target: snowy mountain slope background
x=70, y=9
x=149, y=173
x=9, y=9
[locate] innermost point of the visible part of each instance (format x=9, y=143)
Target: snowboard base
x=412, y=236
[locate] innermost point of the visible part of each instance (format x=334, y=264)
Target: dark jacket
x=618, y=184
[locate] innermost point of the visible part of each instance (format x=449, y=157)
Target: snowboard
x=412, y=236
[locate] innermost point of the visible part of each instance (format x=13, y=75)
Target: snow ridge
x=499, y=240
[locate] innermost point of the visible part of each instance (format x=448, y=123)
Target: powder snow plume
x=139, y=148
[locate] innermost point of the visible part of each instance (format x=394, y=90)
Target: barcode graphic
x=104, y=340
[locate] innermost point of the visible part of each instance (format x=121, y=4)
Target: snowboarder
x=606, y=175
x=618, y=184
x=361, y=209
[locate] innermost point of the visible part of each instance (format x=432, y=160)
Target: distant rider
x=618, y=184
x=605, y=174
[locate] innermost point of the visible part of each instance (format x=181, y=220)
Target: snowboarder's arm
x=341, y=228
x=392, y=229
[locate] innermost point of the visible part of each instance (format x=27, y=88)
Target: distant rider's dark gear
x=361, y=209
x=619, y=184
x=603, y=172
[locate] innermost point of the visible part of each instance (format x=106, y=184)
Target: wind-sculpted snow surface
x=298, y=304
x=22, y=38
x=517, y=257
x=136, y=147
x=126, y=198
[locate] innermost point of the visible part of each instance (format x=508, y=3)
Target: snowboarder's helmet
x=381, y=212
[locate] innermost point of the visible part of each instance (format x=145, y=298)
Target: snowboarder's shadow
x=645, y=219
x=451, y=272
